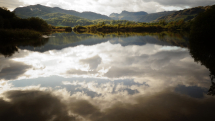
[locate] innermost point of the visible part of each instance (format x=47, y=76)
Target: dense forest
x=162, y=25
x=202, y=42
x=13, y=27
x=8, y=20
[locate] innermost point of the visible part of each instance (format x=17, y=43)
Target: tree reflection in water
x=201, y=42
x=202, y=50
x=9, y=47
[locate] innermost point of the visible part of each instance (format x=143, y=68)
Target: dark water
x=148, y=77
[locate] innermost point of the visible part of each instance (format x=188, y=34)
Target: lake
x=118, y=77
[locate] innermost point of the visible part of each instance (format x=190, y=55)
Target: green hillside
x=139, y=16
x=186, y=14
x=62, y=19
x=59, y=17
x=40, y=11
x=154, y=16
x=125, y=15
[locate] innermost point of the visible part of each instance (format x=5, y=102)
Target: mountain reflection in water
x=128, y=77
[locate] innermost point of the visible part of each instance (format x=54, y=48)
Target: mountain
x=186, y=14
x=138, y=16
x=125, y=15
x=154, y=16
x=40, y=11
x=62, y=19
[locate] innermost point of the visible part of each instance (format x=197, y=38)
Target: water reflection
x=112, y=78
x=64, y=40
x=9, y=47
x=36, y=104
x=202, y=50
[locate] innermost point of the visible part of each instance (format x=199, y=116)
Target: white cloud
x=150, y=64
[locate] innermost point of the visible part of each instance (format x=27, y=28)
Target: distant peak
x=114, y=14
x=124, y=11
x=57, y=7
x=37, y=5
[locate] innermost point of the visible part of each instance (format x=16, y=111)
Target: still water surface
x=114, y=78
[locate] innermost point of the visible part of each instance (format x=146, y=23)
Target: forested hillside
x=154, y=16
x=59, y=17
x=139, y=16
x=40, y=11
x=125, y=15
x=186, y=14
x=8, y=20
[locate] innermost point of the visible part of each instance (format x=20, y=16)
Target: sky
x=107, y=7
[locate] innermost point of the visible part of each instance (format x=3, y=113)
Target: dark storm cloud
x=163, y=106
x=93, y=61
x=33, y=106
x=10, y=69
x=85, y=109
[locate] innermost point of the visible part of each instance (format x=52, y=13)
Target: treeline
x=118, y=27
x=61, y=28
x=60, y=19
x=13, y=27
x=8, y=20
x=136, y=27
x=176, y=25
x=201, y=44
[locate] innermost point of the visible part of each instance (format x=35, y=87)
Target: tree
x=204, y=23
x=38, y=24
x=1, y=22
x=103, y=23
x=201, y=42
x=163, y=22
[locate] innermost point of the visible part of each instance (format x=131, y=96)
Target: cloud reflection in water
x=93, y=85
x=59, y=106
